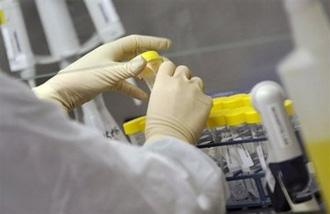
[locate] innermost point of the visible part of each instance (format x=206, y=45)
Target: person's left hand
x=103, y=69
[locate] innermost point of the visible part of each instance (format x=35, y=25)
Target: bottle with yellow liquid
x=306, y=76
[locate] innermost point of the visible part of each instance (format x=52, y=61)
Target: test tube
x=237, y=157
x=208, y=134
x=288, y=104
x=135, y=130
x=219, y=133
x=153, y=62
x=253, y=120
x=240, y=131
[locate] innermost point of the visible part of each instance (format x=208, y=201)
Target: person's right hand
x=178, y=106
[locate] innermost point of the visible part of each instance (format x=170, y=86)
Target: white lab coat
x=50, y=164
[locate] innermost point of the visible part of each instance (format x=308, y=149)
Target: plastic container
x=306, y=76
x=153, y=62
x=135, y=130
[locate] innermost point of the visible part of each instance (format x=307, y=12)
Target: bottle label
x=16, y=57
x=279, y=127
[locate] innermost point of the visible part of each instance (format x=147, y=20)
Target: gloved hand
x=177, y=107
x=103, y=69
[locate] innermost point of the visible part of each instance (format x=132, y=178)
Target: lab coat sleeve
x=49, y=164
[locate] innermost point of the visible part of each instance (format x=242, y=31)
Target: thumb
x=131, y=68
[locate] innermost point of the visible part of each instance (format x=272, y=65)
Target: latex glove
x=177, y=107
x=103, y=69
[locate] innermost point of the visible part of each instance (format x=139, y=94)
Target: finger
x=182, y=71
x=198, y=81
x=130, y=46
x=122, y=71
x=166, y=69
x=131, y=90
x=165, y=59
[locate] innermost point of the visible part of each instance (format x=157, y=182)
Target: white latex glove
x=177, y=107
x=103, y=69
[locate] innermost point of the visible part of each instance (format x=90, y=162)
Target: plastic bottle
x=306, y=76
x=135, y=130
x=153, y=62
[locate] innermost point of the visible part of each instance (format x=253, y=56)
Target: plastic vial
x=153, y=62
x=219, y=133
x=135, y=130
x=288, y=104
x=253, y=120
x=237, y=157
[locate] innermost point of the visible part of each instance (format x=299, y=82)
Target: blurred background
x=231, y=44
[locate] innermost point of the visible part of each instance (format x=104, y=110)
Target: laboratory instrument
x=286, y=160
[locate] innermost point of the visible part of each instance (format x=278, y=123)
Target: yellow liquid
x=319, y=153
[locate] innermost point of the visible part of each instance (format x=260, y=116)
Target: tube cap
x=216, y=120
x=231, y=103
x=217, y=104
x=288, y=104
x=235, y=117
x=252, y=116
x=134, y=126
x=151, y=55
